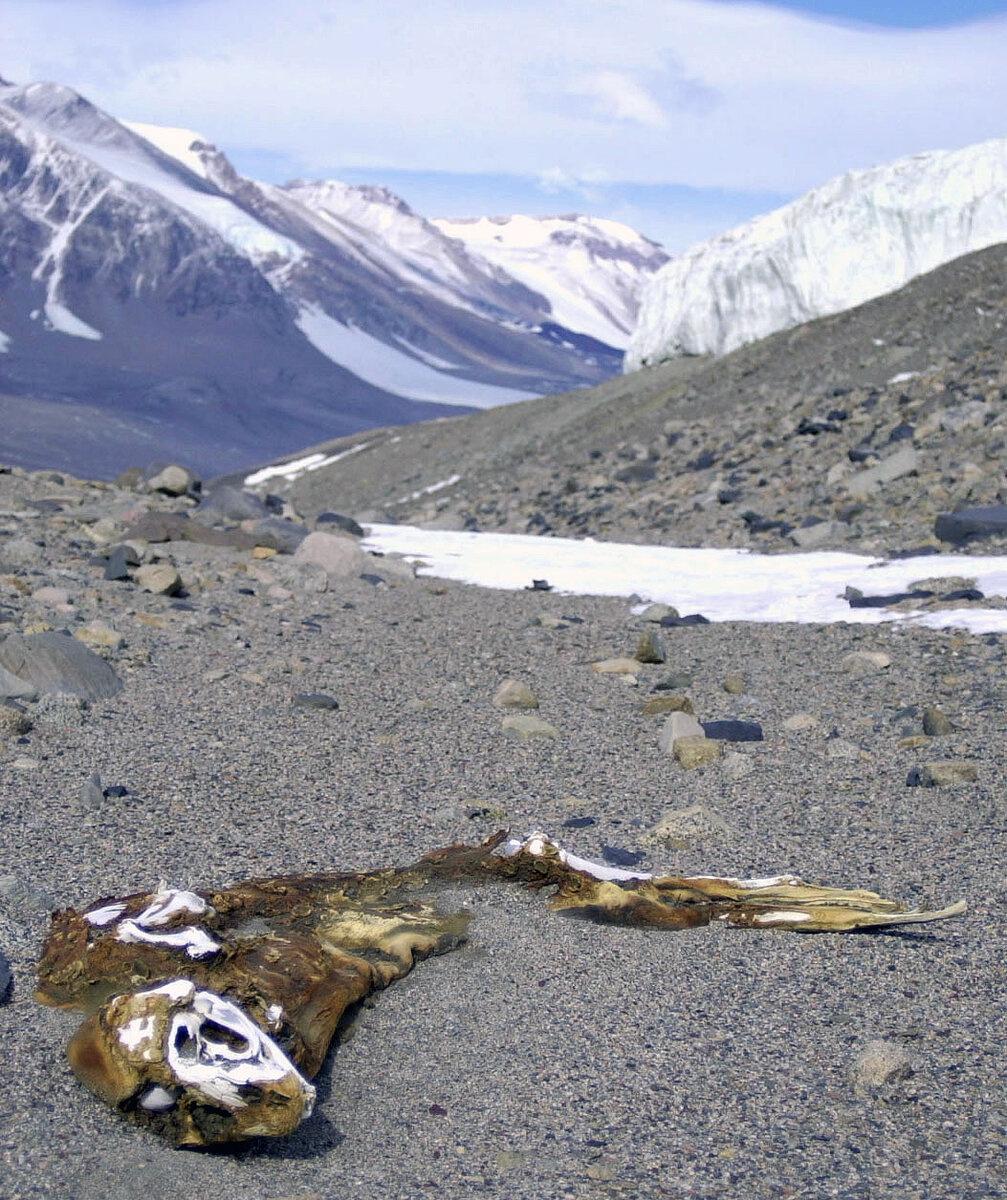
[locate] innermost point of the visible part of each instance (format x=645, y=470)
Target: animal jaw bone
x=221, y=1048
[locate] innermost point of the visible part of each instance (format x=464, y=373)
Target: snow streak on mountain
x=861, y=235
x=155, y=302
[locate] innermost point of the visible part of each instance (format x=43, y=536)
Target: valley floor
x=547, y=1058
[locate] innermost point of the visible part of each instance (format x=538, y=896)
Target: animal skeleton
x=208, y=1012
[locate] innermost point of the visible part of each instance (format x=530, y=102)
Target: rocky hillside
x=851, y=432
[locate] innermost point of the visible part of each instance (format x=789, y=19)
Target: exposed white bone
x=781, y=918
x=217, y=1068
x=137, y=1031
x=158, y=1099
x=195, y=942
x=767, y=881
x=167, y=902
x=174, y=989
x=535, y=845
x=104, y=915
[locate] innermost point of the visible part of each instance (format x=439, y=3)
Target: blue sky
x=681, y=117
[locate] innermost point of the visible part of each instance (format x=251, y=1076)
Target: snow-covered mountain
x=861, y=235
x=591, y=270
x=154, y=301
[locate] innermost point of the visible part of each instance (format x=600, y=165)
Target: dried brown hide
x=208, y=1012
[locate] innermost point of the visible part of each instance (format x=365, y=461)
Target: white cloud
x=616, y=95
x=740, y=96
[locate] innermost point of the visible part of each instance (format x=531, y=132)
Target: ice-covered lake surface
x=723, y=585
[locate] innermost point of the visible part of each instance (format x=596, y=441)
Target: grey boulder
x=52, y=664
x=230, y=503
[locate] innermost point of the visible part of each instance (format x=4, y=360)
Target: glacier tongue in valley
x=858, y=236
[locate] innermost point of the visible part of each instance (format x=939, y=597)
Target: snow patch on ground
x=723, y=585
x=377, y=363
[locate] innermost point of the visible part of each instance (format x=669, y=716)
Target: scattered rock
x=617, y=857
x=865, y=662
x=734, y=685
x=52, y=597
x=904, y=461
x=657, y=612
x=733, y=731
x=230, y=503
x=339, y=556
x=879, y=1063
x=6, y=979
x=277, y=533
x=800, y=721
x=160, y=579
x=14, y=722
x=679, y=725
x=810, y=537
x=100, y=634
x=696, y=751
x=677, y=681
x=969, y=524
x=91, y=792
x=650, y=647
x=685, y=828
x=315, y=700
x=524, y=727
x=616, y=666
x=346, y=524
x=173, y=480
x=54, y=663
x=673, y=622
x=945, y=773
x=514, y=694
x=130, y=478
x=120, y=559
x=935, y=723
x=656, y=705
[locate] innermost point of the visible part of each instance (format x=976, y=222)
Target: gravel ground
x=547, y=1058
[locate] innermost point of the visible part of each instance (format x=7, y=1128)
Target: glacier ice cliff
x=863, y=234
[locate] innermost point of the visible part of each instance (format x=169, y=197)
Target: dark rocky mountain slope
x=851, y=432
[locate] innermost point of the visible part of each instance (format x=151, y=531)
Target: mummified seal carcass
x=209, y=1011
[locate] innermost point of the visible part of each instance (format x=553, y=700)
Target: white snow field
x=723, y=585
x=858, y=236
x=592, y=271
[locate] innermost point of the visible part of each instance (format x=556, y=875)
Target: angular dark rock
x=119, y=561
x=278, y=533
x=969, y=523
x=347, y=524
x=621, y=858
x=672, y=622
x=54, y=663
x=6, y=979
x=733, y=731
x=176, y=527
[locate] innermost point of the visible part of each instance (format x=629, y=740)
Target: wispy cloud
x=737, y=96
